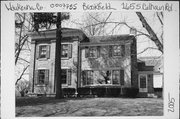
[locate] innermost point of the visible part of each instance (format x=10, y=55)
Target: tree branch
x=147, y=49
x=153, y=36
x=22, y=74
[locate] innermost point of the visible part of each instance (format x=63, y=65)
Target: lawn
x=44, y=107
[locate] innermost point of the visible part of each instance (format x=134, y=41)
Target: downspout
x=78, y=68
x=34, y=66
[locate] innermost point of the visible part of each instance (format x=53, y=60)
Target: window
x=42, y=76
x=118, y=50
x=43, y=51
x=87, y=77
x=66, y=51
x=115, y=76
x=91, y=52
x=66, y=76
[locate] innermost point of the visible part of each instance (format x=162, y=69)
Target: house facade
x=95, y=65
x=42, y=69
x=109, y=61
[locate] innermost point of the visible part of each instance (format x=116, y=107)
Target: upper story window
x=112, y=50
x=117, y=50
x=66, y=51
x=91, y=52
x=43, y=51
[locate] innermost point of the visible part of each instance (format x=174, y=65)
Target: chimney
x=133, y=31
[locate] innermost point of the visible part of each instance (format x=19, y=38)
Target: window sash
x=143, y=81
x=66, y=50
x=91, y=52
x=42, y=51
x=41, y=77
x=116, y=77
x=66, y=76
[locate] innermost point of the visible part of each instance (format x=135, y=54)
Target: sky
x=131, y=19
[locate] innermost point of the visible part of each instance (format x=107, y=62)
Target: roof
x=157, y=62
x=51, y=34
x=110, y=38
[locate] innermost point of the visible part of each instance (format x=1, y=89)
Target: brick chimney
x=133, y=31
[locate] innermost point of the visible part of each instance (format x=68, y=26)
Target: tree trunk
x=153, y=36
x=58, y=58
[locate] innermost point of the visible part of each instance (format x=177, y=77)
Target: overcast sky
x=131, y=19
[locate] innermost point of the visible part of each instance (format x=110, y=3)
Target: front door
x=142, y=82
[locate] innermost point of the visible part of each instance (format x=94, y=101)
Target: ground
x=44, y=107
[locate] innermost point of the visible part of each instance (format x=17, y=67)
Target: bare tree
x=23, y=23
x=95, y=24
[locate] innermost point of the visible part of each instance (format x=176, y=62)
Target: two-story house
x=108, y=62
x=42, y=69
x=99, y=65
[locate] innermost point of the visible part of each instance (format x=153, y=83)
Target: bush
x=68, y=91
x=83, y=91
x=131, y=92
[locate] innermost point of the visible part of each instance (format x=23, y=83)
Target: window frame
x=69, y=50
x=116, y=79
x=68, y=75
x=121, y=51
x=38, y=75
x=85, y=76
x=39, y=51
x=91, y=50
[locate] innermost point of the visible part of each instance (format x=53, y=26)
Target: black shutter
x=46, y=77
x=69, y=77
x=86, y=52
x=98, y=51
x=122, y=50
x=36, y=78
x=48, y=51
x=122, y=77
x=37, y=51
x=110, y=50
x=69, y=50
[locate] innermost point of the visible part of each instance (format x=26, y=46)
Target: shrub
x=131, y=92
x=68, y=91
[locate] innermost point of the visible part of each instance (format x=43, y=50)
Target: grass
x=42, y=107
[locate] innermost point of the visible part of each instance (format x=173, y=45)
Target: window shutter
x=46, y=77
x=110, y=50
x=37, y=51
x=70, y=50
x=127, y=50
x=122, y=77
x=48, y=51
x=84, y=77
x=36, y=77
x=98, y=51
x=69, y=77
x=86, y=52
x=122, y=50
